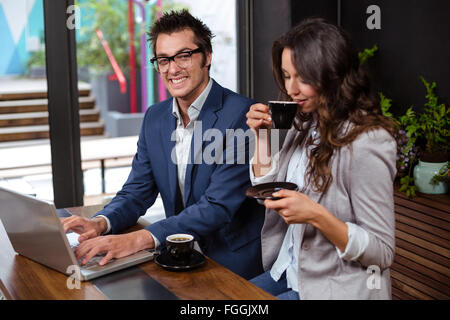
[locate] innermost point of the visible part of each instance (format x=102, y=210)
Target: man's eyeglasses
x=182, y=60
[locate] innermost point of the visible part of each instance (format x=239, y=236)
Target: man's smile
x=178, y=80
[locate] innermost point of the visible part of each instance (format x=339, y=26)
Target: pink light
x=161, y=87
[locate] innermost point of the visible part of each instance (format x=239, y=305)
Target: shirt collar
x=196, y=106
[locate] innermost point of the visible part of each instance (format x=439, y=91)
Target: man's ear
x=208, y=58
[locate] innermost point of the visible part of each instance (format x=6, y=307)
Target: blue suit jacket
x=226, y=223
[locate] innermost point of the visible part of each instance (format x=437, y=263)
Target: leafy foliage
x=433, y=122
x=110, y=16
x=431, y=126
x=366, y=54
x=442, y=176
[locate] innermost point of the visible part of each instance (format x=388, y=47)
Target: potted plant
x=422, y=145
x=422, y=141
x=431, y=173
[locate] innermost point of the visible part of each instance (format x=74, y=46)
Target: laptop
x=36, y=232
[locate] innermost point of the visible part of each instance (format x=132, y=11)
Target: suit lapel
x=168, y=125
x=206, y=120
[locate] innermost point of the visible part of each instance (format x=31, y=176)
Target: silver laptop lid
x=34, y=229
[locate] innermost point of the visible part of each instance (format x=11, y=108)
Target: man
x=205, y=200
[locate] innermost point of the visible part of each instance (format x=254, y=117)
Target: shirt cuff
x=108, y=229
x=269, y=176
x=108, y=224
x=155, y=239
x=358, y=240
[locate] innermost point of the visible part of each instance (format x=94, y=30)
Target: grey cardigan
x=361, y=193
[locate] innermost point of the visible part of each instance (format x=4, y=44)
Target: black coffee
x=283, y=113
x=179, y=239
x=179, y=247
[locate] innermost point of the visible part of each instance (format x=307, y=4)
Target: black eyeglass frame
x=172, y=58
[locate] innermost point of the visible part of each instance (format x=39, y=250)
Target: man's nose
x=173, y=67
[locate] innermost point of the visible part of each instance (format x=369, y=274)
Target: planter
x=37, y=72
x=424, y=173
x=119, y=124
x=115, y=106
x=108, y=96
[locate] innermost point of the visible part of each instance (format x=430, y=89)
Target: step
x=11, y=96
x=39, y=105
x=42, y=131
x=23, y=88
x=41, y=118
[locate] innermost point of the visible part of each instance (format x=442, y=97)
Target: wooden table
x=25, y=279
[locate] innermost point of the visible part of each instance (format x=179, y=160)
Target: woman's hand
x=258, y=117
x=294, y=207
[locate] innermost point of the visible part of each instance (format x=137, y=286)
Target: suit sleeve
x=371, y=175
x=139, y=191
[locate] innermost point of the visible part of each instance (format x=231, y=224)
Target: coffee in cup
x=179, y=247
x=283, y=113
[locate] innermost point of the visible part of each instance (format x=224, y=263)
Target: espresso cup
x=179, y=247
x=283, y=113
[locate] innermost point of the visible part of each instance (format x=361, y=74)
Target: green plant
x=111, y=17
x=366, y=54
x=36, y=59
x=431, y=127
x=442, y=175
x=429, y=131
x=433, y=123
x=406, y=138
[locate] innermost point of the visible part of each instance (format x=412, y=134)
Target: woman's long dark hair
x=325, y=58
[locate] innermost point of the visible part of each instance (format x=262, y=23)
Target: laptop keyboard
x=91, y=263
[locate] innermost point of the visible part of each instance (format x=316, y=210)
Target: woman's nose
x=292, y=88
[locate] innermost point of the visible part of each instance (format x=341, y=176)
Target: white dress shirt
x=182, y=144
x=184, y=134
x=287, y=260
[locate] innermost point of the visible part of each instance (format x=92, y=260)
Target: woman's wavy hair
x=325, y=58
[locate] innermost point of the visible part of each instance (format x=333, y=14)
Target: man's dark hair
x=175, y=21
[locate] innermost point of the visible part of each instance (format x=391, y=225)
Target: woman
x=335, y=238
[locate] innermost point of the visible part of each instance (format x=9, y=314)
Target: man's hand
x=85, y=227
x=114, y=246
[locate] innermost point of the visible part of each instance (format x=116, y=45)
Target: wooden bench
x=421, y=265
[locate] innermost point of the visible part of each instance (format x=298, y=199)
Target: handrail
x=112, y=60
